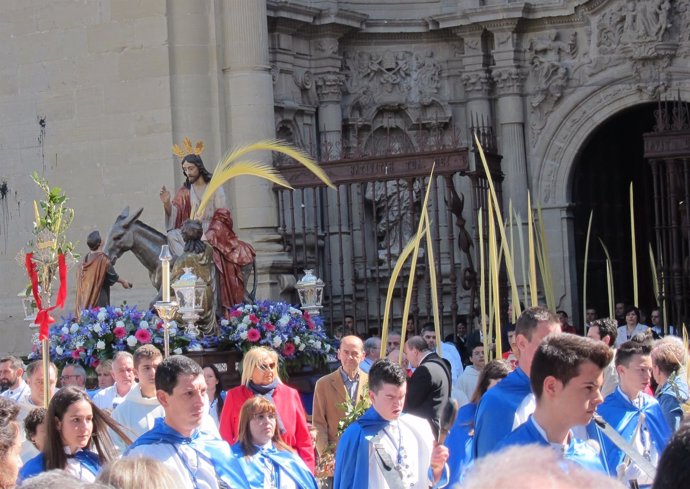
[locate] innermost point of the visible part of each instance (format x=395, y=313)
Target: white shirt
x=623, y=333
x=17, y=394
x=191, y=468
x=108, y=398
x=468, y=381
x=76, y=469
x=450, y=353
x=409, y=439
x=138, y=413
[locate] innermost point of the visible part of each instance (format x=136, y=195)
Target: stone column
x=328, y=88
x=248, y=89
x=511, y=122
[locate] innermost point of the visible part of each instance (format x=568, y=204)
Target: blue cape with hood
x=578, y=451
x=623, y=416
x=89, y=460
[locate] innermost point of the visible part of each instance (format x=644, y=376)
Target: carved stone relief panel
x=551, y=59
x=390, y=77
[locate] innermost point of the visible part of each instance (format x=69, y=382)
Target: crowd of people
x=563, y=407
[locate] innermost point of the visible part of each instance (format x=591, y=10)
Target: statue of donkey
x=130, y=234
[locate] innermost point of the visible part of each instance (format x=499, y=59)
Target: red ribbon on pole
x=43, y=318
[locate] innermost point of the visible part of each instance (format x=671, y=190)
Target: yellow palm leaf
x=239, y=168
x=279, y=147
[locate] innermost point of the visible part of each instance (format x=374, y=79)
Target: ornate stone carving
x=303, y=79
x=476, y=83
x=275, y=73
x=391, y=77
x=550, y=60
x=327, y=46
x=508, y=80
x=329, y=87
x=639, y=25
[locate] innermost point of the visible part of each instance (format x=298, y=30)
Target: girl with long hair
x=77, y=437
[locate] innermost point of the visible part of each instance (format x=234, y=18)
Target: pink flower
x=253, y=335
x=269, y=327
x=120, y=332
x=253, y=319
x=95, y=363
x=143, y=336
x=235, y=313
x=289, y=349
x=76, y=353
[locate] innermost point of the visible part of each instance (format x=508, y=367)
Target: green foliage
x=352, y=413
x=54, y=216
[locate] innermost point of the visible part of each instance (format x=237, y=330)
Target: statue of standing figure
x=230, y=254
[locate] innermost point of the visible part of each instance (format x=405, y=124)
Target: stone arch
x=557, y=149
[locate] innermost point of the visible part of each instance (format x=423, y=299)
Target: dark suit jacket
x=428, y=390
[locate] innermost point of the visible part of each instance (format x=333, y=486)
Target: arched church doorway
x=605, y=166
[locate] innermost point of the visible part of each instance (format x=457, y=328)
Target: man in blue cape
x=507, y=406
x=566, y=378
x=634, y=414
x=199, y=460
x=385, y=448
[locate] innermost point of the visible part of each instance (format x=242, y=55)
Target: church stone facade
x=94, y=93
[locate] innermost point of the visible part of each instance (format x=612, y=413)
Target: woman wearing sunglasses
x=260, y=379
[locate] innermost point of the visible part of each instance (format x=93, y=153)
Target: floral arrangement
x=298, y=337
x=97, y=334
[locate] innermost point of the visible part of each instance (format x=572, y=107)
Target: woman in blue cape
x=262, y=459
x=77, y=438
x=459, y=441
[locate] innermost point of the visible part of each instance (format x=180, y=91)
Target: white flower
x=143, y=325
x=65, y=330
x=277, y=341
x=243, y=335
x=103, y=309
x=301, y=347
x=177, y=351
x=172, y=331
x=74, y=328
x=79, y=343
x=97, y=328
x=295, y=311
x=317, y=345
x=284, y=320
x=59, y=350
x=120, y=324
x=196, y=347
x=100, y=345
x=296, y=340
x=224, y=322
x=246, y=320
x=117, y=310
x=102, y=315
x=131, y=341
x=327, y=347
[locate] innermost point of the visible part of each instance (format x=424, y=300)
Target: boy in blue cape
x=385, y=448
x=507, y=406
x=566, y=378
x=636, y=415
x=198, y=459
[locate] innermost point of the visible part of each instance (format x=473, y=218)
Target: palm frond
x=239, y=168
x=279, y=147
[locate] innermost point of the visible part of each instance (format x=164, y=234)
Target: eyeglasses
x=261, y=417
x=267, y=367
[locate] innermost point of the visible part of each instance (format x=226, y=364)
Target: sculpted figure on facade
x=549, y=66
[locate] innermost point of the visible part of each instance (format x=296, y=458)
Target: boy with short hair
x=566, y=378
x=35, y=427
x=636, y=415
x=140, y=407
